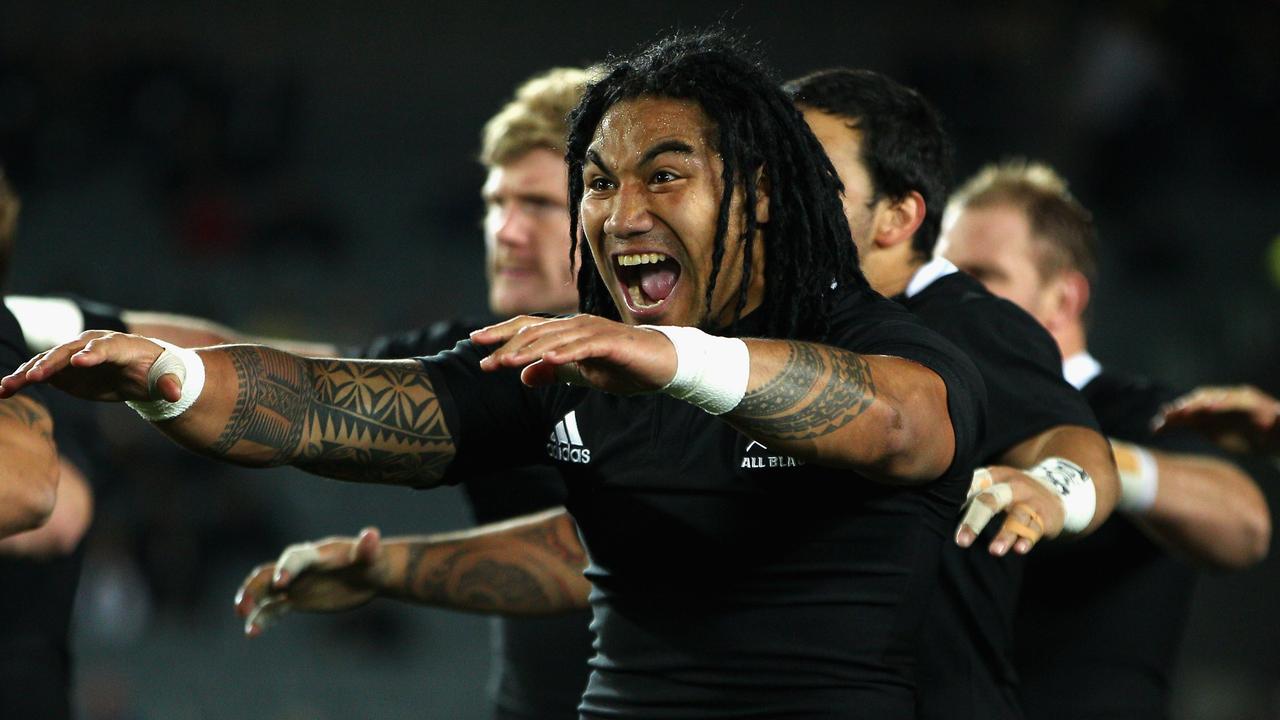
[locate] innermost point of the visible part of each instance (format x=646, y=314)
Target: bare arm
x=28, y=465
x=884, y=416
x=523, y=567
x=190, y=331
x=1207, y=510
x=70, y=520
x=366, y=421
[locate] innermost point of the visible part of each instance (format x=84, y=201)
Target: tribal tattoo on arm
x=29, y=414
x=818, y=391
x=365, y=421
x=531, y=570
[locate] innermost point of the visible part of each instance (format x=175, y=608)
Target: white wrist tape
x=1074, y=486
x=711, y=371
x=189, y=369
x=1139, y=477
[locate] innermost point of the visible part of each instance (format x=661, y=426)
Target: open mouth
x=648, y=279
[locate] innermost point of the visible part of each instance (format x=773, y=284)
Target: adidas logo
x=565, y=443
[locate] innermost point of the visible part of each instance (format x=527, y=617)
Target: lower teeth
x=637, y=298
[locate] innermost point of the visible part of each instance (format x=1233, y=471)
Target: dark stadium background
x=306, y=169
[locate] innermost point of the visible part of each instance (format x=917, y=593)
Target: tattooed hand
x=584, y=349
x=98, y=365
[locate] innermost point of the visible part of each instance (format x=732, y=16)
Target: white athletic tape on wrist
x=1139, y=477
x=711, y=371
x=1074, y=486
x=46, y=322
x=189, y=369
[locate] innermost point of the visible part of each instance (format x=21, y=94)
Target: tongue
x=657, y=283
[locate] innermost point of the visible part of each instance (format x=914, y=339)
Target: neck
x=1071, y=339
x=890, y=271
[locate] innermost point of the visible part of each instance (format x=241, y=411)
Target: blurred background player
x=888, y=146
x=1100, y=620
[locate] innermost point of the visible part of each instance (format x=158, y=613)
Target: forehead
x=838, y=135
x=540, y=170
x=631, y=126
x=990, y=233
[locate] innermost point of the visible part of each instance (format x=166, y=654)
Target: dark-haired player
x=888, y=145
x=775, y=560
x=1100, y=620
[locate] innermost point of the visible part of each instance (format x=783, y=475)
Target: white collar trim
x=1080, y=369
x=936, y=268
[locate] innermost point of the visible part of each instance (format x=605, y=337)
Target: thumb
x=367, y=545
x=169, y=387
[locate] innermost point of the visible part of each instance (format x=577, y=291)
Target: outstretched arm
x=367, y=421
x=28, y=465
x=1237, y=419
x=1199, y=507
x=884, y=416
x=527, y=566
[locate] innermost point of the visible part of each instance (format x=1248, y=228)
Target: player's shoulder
x=1126, y=403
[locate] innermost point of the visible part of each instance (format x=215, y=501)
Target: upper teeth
x=641, y=259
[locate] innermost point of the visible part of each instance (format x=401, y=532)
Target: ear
x=1069, y=299
x=762, y=197
x=897, y=220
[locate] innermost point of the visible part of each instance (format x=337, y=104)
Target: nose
x=513, y=225
x=629, y=213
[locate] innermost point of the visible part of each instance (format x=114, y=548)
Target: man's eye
x=599, y=184
x=663, y=176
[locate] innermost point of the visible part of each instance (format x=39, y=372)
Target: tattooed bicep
x=28, y=413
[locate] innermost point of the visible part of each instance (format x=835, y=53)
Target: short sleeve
x=866, y=323
x=495, y=420
x=427, y=340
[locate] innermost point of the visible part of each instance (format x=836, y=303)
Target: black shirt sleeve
x=423, y=341
x=1018, y=359
x=495, y=420
x=14, y=352
x=866, y=323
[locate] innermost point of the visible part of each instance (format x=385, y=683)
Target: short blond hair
x=1062, y=226
x=535, y=117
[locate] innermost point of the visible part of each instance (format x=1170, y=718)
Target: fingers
x=1022, y=528
x=978, y=511
x=541, y=341
x=504, y=331
x=169, y=387
x=266, y=614
x=294, y=560
x=257, y=584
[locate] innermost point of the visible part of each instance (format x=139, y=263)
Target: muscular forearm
x=72, y=514
x=1085, y=448
x=1209, y=511
x=885, y=417
x=188, y=331
x=530, y=566
x=28, y=465
x=367, y=421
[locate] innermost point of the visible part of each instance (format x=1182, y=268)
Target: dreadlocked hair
x=807, y=246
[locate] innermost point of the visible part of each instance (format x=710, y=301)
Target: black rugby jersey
x=731, y=580
x=966, y=668
x=538, y=668
x=1102, y=618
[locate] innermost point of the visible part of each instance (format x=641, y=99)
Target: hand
x=98, y=365
x=584, y=350
x=1032, y=511
x=1238, y=419
x=331, y=575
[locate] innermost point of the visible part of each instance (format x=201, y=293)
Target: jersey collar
x=1080, y=369
x=936, y=268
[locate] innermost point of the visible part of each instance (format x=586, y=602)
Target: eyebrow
x=594, y=158
x=666, y=146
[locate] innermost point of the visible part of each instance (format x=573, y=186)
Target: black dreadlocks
x=756, y=127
